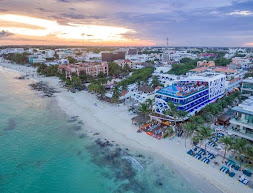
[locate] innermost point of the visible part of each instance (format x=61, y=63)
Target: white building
x=139, y=58
x=49, y=53
x=242, y=124
x=191, y=94
x=92, y=57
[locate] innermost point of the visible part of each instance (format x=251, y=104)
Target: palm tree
x=196, y=120
x=249, y=154
x=228, y=143
x=116, y=94
x=145, y=108
x=182, y=115
x=175, y=113
x=155, y=81
x=239, y=147
x=216, y=108
x=189, y=130
x=203, y=134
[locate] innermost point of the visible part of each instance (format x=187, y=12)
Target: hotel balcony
x=241, y=122
x=248, y=136
x=241, y=128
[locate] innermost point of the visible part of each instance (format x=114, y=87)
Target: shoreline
x=114, y=124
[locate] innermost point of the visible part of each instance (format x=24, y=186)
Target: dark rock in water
x=38, y=164
x=43, y=87
x=77, y=128
x=21, y=77
x=126, y=149
x=96, y=133
x=128, y=170
x=103, y=144
x=79, y=152
x=125, y=187
x=100, y=143
x=82, y=136
x=72, y=119
x=139, y=155
x=80, y=122
x=160, y=183
x=11, y=125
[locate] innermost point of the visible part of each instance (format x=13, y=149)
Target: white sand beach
x=114, y=123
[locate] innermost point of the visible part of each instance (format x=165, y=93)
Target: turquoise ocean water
x=40, y=151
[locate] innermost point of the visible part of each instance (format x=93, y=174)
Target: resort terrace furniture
x=243, y=180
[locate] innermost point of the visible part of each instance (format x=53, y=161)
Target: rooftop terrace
x=183, y=89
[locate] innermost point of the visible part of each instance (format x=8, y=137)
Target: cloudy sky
x=127, y=22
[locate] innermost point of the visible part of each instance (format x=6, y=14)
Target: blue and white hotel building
x=191, y=94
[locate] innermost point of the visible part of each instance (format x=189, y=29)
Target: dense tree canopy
x=138, y=76
x=71, y=60
x=185, y=65
x=222, y=61
x=17, y=58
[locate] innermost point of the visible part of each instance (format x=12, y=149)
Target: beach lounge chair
x=211, y=156
x=230, y=163
x=190, y=152
x=247, y=173
x=237, y=167
x=198, y=156
x=207, y=161
x=201, y=152
x=195, y=149
x=231, y=174
x=204, y=159
x=224, y=169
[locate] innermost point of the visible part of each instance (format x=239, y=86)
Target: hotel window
x=249, y=118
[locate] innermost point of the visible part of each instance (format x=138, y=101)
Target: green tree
x=249, y=154
x=189, y=130
x=155, y=81
x=116, y=94
x=145, y=108
x=239, y=147
x=203, y=134
x=101, y=75
x=222, y=61
x=71, y=60
x=174, y=112
x=114, y=69
x=228, y=143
